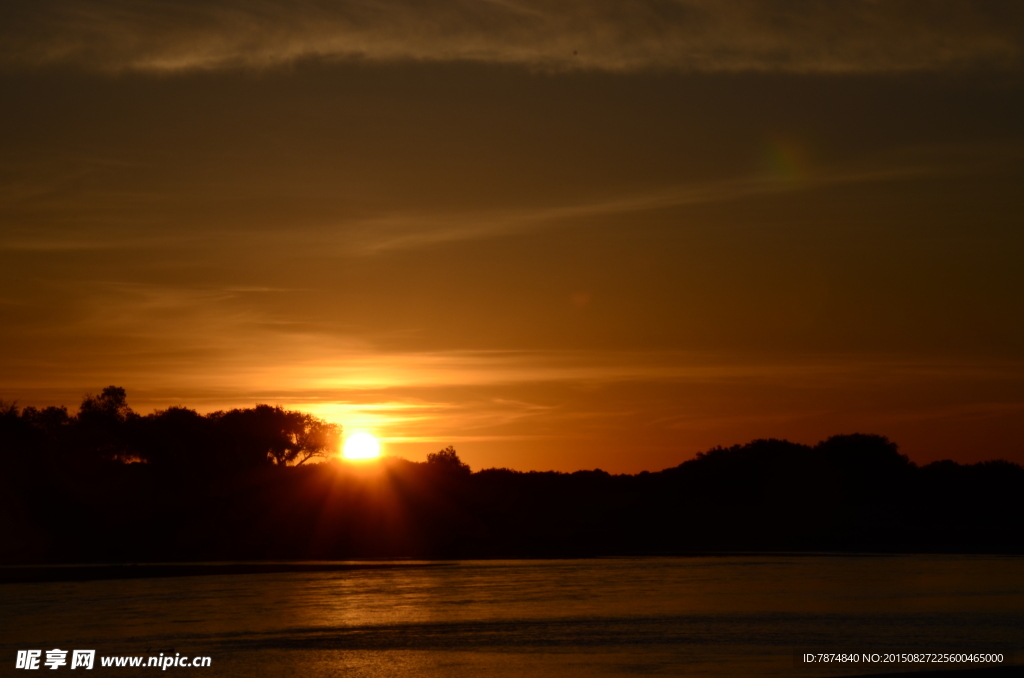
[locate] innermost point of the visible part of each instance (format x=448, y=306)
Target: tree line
x=108, y=485
x=105, y=429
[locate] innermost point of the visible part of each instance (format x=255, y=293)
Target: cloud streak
x=207, y=348
x=398, y=232
x=802, y=36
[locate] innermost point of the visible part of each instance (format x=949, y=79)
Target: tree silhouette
x=102, y=425
x=265, y=434
x=317, y=439
x=180, y=439
x=111, y=404
x=447, y=459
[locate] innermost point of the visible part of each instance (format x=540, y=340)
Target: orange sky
x=556, y=235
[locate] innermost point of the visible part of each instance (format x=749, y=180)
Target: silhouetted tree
x=8, y=409
x=180, y=439
x=101, y=424
x=447, y=459
x=265, y=434
x=13, y=432
x=49, y=420
x=318, y=439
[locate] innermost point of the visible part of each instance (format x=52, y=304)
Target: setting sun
x=361, y=446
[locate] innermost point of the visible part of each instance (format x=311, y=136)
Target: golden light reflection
x=361, y=446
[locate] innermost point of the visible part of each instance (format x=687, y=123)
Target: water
x=705, y=616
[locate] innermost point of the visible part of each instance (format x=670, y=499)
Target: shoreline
x=18, y=573
x=36, y=574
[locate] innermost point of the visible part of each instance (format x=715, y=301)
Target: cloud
x=399, y=231
x=87, y=221
x=210, y=348
x=222, y=341
x=803, y=36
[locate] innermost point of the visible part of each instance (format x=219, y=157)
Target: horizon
x=237, y=485
x=337, y=451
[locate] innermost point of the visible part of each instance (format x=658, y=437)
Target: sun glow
x=361, y=446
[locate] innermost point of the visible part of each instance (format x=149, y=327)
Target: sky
x=556, y=235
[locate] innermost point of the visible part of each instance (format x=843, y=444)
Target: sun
x=361, y=446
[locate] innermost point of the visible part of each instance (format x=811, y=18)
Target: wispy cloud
x=397, y=231
x=214, y=338
x=209, y=349
x=830, y=36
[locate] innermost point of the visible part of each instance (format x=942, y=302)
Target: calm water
x=704, y=616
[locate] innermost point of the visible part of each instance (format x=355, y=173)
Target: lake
x=694, y=616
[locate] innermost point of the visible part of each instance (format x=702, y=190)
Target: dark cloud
x=831, y=36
